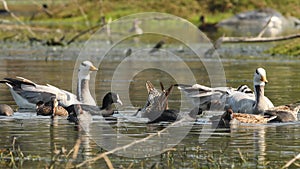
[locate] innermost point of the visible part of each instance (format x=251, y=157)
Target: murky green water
x=248, y=146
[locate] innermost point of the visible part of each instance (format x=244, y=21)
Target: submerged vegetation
x=178, y=157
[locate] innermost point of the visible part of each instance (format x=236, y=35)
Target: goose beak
x=264, y=79
x=93, y=68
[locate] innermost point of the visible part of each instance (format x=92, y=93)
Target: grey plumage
x=27, y=93
x=240, y=99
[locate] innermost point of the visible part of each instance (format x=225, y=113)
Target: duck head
x=39, y=104
x=109, y=99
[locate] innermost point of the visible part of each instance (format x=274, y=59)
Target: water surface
x=250, y=146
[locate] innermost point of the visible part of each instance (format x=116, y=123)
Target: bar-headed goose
x=77, y=112
x=27, y=93
x=255, y=103
x=210, y=98
x=241, y=100
x=83, y=90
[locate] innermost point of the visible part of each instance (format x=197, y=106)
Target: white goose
x=27, y=93
x=255, y=103
x=240, y=100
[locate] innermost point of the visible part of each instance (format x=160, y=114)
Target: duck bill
x=149, y=86
x=93, y=68
x=263, y=79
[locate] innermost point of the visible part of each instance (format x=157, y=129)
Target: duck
x=78, y=111
x=229, y=117
x=255, y=103
x=135, y=27
x=284, y=113
x=26, y=93
x=6, y=110
x=241, y=100
x=158, y=46
x=51, y=108
x=156, y=107
x=127, y=52
x=207, y=27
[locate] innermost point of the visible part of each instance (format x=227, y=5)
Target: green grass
x=67, y=15
x=188, y=9
x=290, y=48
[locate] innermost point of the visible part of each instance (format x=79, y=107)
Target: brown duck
x=50, y=108
x=285, y=113
x=6, y=110
x=229, y=117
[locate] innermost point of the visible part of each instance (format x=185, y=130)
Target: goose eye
x=256, y=71
x=83, y=64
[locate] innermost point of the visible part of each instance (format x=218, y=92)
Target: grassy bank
x=290, y=48
x=57, y=18
x=89, y=12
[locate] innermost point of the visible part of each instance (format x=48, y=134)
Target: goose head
x=85, y=69
x=260, y=77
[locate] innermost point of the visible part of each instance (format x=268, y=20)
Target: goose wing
x=205, y=97
x=241, y=102
x=65, y=98
x=27, y=93
x=244, y=102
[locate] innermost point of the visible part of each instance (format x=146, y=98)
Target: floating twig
x=102, y=155
x=291, y=161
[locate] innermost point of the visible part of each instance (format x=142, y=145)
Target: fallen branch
x=9, y=37
x=16, y=18
x=291, y=161
x=108, y=162
x=241, y=155
x=258, y=39
x=75, y=150
x=82, y=33
x=264, y=28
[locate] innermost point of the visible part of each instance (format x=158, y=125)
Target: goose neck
x=259, y=106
